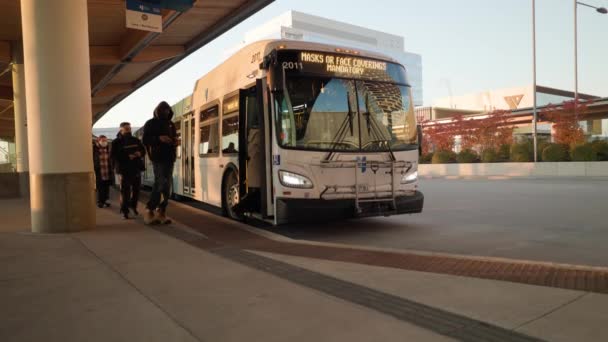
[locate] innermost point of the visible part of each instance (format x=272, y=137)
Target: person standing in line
x=128, y=153
x=160, y=139
x=104, y=176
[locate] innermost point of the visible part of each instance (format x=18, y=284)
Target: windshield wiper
x=374, y=129
x=341, y=133
x=350, y=115
x=376, y=133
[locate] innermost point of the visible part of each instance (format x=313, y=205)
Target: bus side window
x=230, y=134
x=209, y=143
x=230, y=125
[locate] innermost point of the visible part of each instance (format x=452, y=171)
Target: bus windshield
x=337, y=114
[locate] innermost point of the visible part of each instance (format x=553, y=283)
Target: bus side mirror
x=419, y=131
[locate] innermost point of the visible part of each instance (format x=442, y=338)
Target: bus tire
x=230, y=194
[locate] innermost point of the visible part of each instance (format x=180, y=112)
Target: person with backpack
x=160, y=139
x=128, y=153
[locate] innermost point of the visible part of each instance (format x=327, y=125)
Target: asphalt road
x=557, y=220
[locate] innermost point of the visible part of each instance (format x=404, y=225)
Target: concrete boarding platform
x=126, y=282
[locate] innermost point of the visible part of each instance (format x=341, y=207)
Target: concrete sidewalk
x=126, y=282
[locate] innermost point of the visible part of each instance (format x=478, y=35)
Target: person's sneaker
x=135, y=212
x=161, y=217
x=149, y=218
x=125, y=214
x=99, y=205
x=106, y=204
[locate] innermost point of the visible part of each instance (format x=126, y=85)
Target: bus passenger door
x=177, y=170
x=187, y=146
x=192, y=160
x=252, y=153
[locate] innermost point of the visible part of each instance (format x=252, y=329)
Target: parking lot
x=555, y=220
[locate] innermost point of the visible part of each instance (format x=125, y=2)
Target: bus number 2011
x=293, y=65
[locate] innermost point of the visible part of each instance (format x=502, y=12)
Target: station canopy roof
x=122, y=60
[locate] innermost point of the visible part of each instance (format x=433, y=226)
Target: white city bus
x=300, y=130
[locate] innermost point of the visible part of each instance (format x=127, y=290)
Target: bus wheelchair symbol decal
x=362, y=161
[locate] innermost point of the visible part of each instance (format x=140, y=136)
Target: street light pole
x=601, y=10
x=534, y=113
x=576, y=59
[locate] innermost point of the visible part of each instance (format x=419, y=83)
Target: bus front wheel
x=231, y=195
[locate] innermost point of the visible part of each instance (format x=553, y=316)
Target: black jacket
x=154, y=128
x=122, y=147
x=96, y=164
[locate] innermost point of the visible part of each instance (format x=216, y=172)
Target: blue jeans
x=163, y=179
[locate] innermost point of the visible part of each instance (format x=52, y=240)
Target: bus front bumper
x=298, y=210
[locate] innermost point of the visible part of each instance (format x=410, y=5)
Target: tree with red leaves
x=439, y=136
x=492, y=131
x=565, y=118
x=489, y=132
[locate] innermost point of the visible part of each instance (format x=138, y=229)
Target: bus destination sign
x=341, y=65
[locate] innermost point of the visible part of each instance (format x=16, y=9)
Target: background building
x=508, y=98
x=301, y=26
x=519, y=101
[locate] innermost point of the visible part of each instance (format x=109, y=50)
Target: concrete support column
x=57, y=82
x=20, y=109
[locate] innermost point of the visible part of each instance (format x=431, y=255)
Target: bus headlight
x=410, y=178
x=294, y=180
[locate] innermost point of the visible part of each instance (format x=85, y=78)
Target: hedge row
x=523, y=152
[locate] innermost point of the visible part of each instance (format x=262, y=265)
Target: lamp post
x=601, y=10
x=534, y=113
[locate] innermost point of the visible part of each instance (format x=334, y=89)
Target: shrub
x=489, y=156
x=522, y=152
x=541, y=147
x=583, y=152
x=504, y=152
x=467, y=156
x=555, y=153
x=601, y=149
x=426, y=158
x=443, y=157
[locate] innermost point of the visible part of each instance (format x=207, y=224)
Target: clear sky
x=466, y=46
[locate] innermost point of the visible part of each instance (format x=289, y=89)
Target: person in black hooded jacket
x=160, y=139
x=127, y=154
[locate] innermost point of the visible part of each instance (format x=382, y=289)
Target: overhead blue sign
x=142, y=15
x=143, y=7
x=177, y=5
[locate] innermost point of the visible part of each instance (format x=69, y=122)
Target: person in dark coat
x=160, y=139
x=104, y=175
x=128, y=153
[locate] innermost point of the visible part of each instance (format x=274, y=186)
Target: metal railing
x=362, y=192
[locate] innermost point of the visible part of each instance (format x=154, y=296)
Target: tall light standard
x=601, y=10
x=534, y=114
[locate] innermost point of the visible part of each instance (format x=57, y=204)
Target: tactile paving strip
x=543, y=274
x=224, y=232
x=439, y=321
